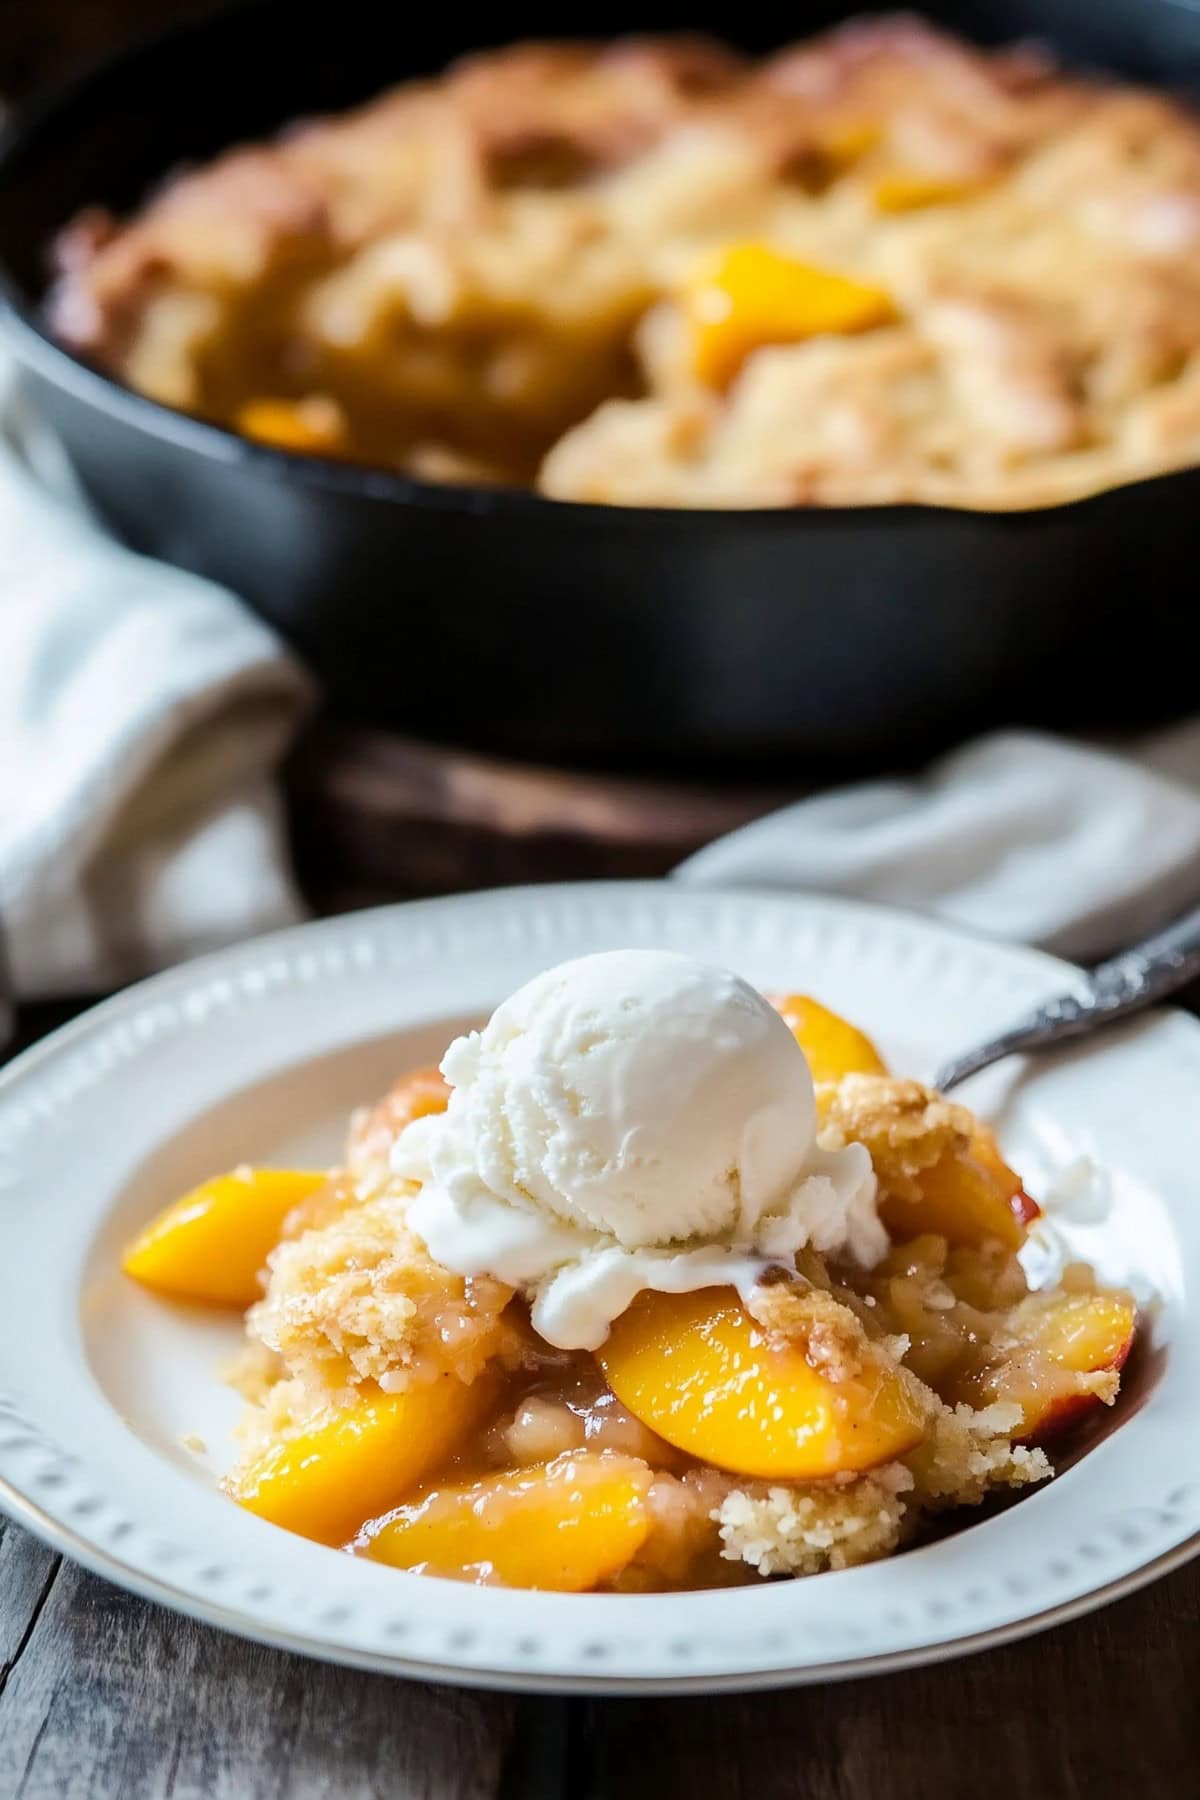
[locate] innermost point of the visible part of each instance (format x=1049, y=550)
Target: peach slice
x=833, y=1047
x=212, y=1244
x=349, y=1464
x=745, y=296
x=561, y=1526
x=966, y=1197
x=699, y=1371
x=1071, y=1349
x=904, y=190
x=313, y=426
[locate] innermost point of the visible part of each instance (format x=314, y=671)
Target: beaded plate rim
x=234, y=1572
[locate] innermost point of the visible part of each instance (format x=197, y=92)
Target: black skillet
x=829, y=640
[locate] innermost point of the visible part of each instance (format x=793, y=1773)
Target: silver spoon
x=1136, y=979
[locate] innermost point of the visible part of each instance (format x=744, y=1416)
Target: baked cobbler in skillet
x=879, y=266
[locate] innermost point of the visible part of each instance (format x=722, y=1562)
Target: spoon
x=1130, y=982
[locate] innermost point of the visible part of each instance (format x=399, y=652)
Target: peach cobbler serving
x=657, y=1284
x=879, y=266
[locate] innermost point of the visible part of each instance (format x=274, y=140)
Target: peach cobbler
x=879, y=266
x=656, y=1285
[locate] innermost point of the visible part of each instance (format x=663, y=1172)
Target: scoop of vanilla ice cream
x=627, y=1120
x=638, y=1094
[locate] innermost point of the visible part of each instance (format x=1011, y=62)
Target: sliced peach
x=1072, y=1347
x=211, y=1244
x=313, y=426
x=562, y=1526
x=844, y=142
x=749, y=295
x=415, y=1096
x=832, y=1046
x=966, y=1197
x=349, y=1464
x=902, y=190
x=699, y=1371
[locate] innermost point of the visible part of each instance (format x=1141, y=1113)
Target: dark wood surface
x=105, y=1697
x=376, y=817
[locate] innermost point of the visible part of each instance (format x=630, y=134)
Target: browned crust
x=492, y=342
x=906, y=1126
x=827, y=1333
x=579, y=108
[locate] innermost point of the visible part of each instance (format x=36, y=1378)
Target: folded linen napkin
x=143, y=714
x=1078, y=848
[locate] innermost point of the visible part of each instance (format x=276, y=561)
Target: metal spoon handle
x=1131, y=981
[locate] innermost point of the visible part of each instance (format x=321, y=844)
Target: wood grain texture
x=376, y=816
x=1102, y=1708
x=27, y=1570
x=111, y=1697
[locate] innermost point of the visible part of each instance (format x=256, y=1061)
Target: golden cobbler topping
x=826, y=1416
x=876, y=267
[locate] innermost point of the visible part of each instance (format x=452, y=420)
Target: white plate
x=258, y=1054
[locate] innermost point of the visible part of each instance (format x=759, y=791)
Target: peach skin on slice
x=349, y=1464
x=832, y=1046
x=560, y=1526
x=966, y=1198
x=699, y=1371
x=986, y=1151
x=1086, y=1339
x=211, y=1244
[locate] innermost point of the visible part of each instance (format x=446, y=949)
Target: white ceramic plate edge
x=25, y=1513
x=637, y=903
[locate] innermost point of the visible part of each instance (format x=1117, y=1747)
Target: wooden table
x=105, y=1696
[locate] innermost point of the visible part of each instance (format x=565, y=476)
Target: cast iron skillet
x=831, y=639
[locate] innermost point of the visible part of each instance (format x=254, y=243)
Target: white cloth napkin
x=1018, y=835
x=143, y=715
x=144, y=712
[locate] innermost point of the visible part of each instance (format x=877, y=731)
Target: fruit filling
x=879, y=266
x=657, y=1285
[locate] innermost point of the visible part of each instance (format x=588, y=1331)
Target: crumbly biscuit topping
x=805, y=1529
x=354, y=1301
x=832, y=1339
x=484, y=277
x=969, y=1451
x=360, y=1299
x=906, y=1126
